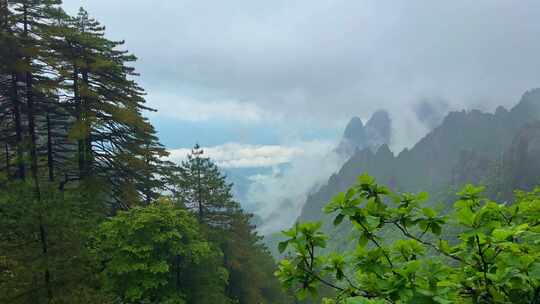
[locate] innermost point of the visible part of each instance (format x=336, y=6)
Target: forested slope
x=90, y=210
x=468, y=146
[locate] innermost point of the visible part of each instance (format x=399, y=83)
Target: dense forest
x=91, y=212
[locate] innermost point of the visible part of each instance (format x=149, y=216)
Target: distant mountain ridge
x=374, y=134
x=466, y=146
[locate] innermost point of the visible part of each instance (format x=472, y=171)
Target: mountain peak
x=370, y=136
x=384, y=151
x=529, y=105
x=354, y=127
x=501, y=111
x=379, y=117
x=437, y=161
x=381, y=123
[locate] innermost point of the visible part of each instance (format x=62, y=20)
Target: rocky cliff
x=374, y=134
x=465, y=147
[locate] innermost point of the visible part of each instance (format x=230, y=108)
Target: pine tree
x=28, y=23
x=66, y=93
x=73, y=141
x=200, y=186
x=250, y=265
x=10, y=108
x=114, y=141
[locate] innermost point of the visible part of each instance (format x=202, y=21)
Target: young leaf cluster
x=481, y=252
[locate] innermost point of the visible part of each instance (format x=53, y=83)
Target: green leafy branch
x=495, y=256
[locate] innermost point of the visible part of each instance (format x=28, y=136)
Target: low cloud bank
x=297, y=168
x=280, y=196
x=235, y=155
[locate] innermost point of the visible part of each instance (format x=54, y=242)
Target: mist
x=278, y=197
x=293, y=68
x=181, y=151
x=323, y=60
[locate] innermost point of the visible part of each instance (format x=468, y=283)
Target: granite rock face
x=358, y=136
x=521, y=163
x=501, y=148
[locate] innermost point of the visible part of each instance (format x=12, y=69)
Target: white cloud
x=322, y=60
x=189, y=108
x=278, y=197
x=236, y=155
x=343, y=50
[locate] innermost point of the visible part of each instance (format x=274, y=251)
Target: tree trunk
x=8, y=168
x=199, y=192
x=50, y=153
x=34, y=158
x=78, y=116
x=88, y=158
x=4, y=13
x=21, y=167
x=178, y=276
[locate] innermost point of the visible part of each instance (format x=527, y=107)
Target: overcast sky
x=261, y=83
x=315, y=63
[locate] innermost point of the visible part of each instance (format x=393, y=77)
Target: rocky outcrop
x=521, y=163
x=463, y=148
x=472, y=168
x=374, y=134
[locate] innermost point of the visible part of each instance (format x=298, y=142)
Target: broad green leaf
x=282, y=246
x=338, y=219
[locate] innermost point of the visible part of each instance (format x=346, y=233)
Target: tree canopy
x=148, y=254
x=481, y=252
x=85, y=211
x=199, y=185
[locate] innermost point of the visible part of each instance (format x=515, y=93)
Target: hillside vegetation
x=90, y=210
x=481, y=252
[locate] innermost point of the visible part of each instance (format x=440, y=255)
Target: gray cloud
x=328, y=60
x=320, y=62
x=276, y=197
